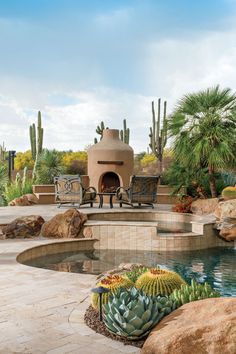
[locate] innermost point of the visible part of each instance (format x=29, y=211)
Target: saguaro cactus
x=158, y=133
x=36, y=142
x=124, y=133
x=99, y=131
x=2, y=152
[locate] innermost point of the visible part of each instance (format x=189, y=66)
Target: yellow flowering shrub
x=24, y=159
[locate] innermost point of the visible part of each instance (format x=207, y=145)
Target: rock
x=24, y=200
x=32, y=198
x=123, y=267
x=200, y=327
x=226, y=209
x=66, y=225
x=88, y=232
x=228, y=229
x=204, y=206
x=24, y=227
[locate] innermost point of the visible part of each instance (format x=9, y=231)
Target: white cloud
x=169, y=69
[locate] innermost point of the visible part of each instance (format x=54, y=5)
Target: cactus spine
x=158, y=133
x=159, y=282
x=2, y=152
x=124, y=133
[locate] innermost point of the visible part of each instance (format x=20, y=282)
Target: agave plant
x=158, y=281
x=193, y=292
x=132, y=314
x=113, y=283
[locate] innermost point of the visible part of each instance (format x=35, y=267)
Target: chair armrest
x=121, y=190
x=93, y=189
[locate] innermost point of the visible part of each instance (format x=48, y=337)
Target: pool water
x=217, y=266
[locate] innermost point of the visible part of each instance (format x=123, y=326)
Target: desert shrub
x=75, y=162
x=49, y=166
x=3, y=182
x=24, y=159
x=17, y=188
x=183, y=204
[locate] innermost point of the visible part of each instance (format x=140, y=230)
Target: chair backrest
x=68, y=187
x=143, y=189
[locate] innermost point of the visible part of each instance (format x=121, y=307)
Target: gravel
x=91, y=319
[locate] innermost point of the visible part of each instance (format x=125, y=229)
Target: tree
x=204, y=130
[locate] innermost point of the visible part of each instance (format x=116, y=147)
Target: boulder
x=227, y=229
x=204, y=206
x=226, y=209
x=24, y=200
x=200, y=327
x=24, y=227
x=66, y=225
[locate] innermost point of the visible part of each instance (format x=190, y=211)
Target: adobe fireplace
x=110, y=162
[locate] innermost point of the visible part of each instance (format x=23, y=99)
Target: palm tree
x=204, y=130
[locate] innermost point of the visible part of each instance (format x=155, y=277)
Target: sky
x=83, y=61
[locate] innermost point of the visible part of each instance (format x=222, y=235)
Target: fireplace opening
x=110, y=182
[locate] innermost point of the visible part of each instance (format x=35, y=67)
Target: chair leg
x=139, y=204
x=120, y=205
x=91, y=205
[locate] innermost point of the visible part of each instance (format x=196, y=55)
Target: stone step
x=45, y=198
x=43, y=188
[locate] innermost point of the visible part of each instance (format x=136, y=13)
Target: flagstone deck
x=41, y=311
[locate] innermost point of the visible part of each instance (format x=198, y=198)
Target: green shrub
x=17, y=189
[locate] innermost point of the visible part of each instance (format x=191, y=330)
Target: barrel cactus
x=132, y=314
x=113, y=283
x=229, y=193
x=193, y=292
x=158, y=281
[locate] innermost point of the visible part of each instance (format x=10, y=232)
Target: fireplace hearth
x=110, y=182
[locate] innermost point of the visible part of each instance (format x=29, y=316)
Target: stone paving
x=9, y=213
x=41, y=311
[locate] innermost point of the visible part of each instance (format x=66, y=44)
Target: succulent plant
x=158, y=281
x=113, y=283
x=132, y=314
x=193, y=292
x=229, y=193
x=135, y=273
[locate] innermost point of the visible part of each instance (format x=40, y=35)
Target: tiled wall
x=113, y=234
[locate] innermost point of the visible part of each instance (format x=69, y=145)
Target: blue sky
x=81, y=62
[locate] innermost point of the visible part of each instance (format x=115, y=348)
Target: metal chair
x=70, y=191
x=142, y=190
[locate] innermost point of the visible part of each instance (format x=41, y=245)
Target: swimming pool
x=217, y=266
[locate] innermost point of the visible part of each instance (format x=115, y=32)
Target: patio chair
x=142, y=190
x=70, y=191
